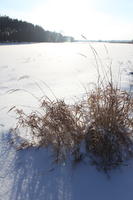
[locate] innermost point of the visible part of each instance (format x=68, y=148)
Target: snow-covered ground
x=63, y=69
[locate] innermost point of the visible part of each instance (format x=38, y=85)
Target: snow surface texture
x=30, y=174
x=66, y=69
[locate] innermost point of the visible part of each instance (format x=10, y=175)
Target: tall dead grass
x=109, y=134
x=103, y=121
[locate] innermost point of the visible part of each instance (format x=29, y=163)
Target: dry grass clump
x=110, y=126
x=109, y=120
x=57, y=125
x=104, y=121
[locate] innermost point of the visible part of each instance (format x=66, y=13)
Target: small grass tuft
x=57, y=125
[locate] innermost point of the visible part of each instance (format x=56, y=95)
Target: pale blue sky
x=96, y=19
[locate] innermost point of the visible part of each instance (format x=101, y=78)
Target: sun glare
x=79, y=17
x=67, y=16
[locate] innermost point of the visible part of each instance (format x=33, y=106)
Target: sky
x=95, y=19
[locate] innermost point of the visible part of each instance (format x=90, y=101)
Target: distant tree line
x=13, y=30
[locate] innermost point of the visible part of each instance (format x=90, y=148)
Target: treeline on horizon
x=14, y=30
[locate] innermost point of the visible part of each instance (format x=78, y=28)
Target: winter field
x=65, y=70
